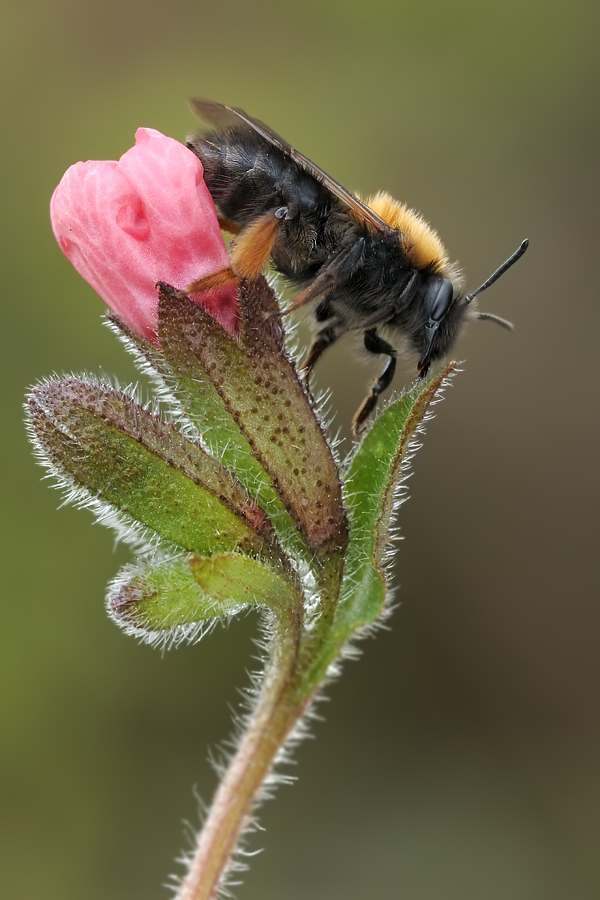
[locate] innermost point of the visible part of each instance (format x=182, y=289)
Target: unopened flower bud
x=148, y=217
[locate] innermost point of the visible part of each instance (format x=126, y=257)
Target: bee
x=363, y=266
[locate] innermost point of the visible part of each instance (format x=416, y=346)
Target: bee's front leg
x=334, y=272
x=375, y=344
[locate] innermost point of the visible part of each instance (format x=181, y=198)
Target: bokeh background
x=459, y=758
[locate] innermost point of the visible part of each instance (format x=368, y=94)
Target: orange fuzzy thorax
x=420, y=242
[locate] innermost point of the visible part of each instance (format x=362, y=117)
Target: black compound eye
x=442, y=301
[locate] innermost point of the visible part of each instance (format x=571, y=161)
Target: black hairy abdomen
x=248, y=177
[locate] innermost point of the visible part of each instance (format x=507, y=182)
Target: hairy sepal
x=180, y=599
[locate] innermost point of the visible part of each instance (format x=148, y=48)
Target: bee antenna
x=504, y=322
x=496, y=275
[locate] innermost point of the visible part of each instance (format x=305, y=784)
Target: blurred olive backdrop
x=459, y=758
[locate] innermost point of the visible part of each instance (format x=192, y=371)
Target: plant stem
x=271, y=722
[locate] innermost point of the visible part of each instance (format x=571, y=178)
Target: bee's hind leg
x=208, y=282
x=248, y=255
x=228, y=226
x=375, y=344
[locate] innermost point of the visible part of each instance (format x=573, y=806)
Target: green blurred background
x=459, y=757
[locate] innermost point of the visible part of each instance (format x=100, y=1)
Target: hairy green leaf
x=123, y=455
x=260, y=391
x=197, y=400
x=371, y=487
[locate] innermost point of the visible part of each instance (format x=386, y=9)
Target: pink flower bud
x=148, y=217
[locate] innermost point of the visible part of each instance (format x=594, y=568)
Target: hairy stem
x=271, y=722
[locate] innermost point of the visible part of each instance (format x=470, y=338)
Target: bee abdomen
x=246, y=176
x=243, y=177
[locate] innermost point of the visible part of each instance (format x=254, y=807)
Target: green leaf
x=173, y=597
x=371, y=486
x=194, y=398
x=260, y=391
x=123, y=455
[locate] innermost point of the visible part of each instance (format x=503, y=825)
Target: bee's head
x=442, y=313
x=443, y=310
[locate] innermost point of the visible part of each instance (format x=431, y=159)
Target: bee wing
x=227, y=117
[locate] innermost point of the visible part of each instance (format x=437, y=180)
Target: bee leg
x=375, y=344
x=228, y=226
x=216, y=279
x=252, y=249
x=331, y=275
x=249, y=255
x=322, y=341
x=324, y=310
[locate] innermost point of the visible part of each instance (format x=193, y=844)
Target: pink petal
x=149, y=217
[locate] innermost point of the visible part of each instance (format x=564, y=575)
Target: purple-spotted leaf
x=105, y=443
x=195, y=400
x=260, y=391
